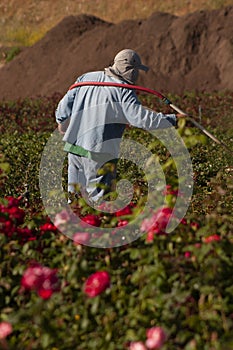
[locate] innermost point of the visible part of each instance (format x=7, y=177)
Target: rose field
x=167, y=291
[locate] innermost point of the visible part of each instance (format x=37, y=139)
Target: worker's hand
x=63, y=126
x=180, y=115
x=60, y=129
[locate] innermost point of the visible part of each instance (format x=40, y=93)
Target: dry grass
x=24, y=22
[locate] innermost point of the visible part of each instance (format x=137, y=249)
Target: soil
x=193, y=52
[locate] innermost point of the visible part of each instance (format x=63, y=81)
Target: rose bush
x=173, y=291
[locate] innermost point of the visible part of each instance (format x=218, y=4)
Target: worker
x=93, y=119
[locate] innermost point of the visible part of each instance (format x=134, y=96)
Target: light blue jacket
x=99, y=114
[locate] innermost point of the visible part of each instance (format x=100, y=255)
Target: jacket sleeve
x=144, y=118
x=64, y=108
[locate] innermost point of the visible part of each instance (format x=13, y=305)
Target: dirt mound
x=192, y=52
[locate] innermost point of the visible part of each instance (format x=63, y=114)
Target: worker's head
x=127, y=64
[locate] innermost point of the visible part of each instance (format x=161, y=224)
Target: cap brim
x=142, y=67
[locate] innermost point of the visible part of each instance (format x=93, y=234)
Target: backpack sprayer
x=160, y=96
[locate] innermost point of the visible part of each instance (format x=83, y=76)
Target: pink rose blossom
x=122, y=223
x=184, y=221
x=25, y=234
x=106, y=207
x=50, y=283
x=147, y=224
x=97, y=283
x=124, y=211
x=81, y=238
x=169, y=191
x=150, y=236
x=187, y=254
x=137, y=345
x=8, y=228
x=155, y=338
x=31, y=277
x=5, y=329
x=48, y=226
x=41, y=279
x=61, y=218
x=158, y=222
x=12, y=201
x=212, y=238
x=45, y=293
x=16, y=214
x=197, y=245
x=162, y=217
x=92, y=220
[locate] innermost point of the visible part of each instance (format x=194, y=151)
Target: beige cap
x=126, y=65
x=128, y=57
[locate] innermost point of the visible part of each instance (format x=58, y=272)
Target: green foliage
x=4, y=169
x=181, y=281
x=14, y=51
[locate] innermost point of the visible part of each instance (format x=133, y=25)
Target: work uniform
x=97, y=117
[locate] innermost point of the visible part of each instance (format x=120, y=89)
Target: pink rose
x=184, y=222
x=155, y=338
x=169, y=191
x=81, y=238
x=16, y=214
x=212, y=238
x=97, y=283
x=8, y=228
x=157, y=223
x=137, y=345
x=147, y=224
x=12, y=201
x=50, y=283
x=5, y=329
x=124, y=211
x=42, y=279
x=122, y=223
x=31, y=277
x=61, y=218
x=197, y=245
x=92, y=220
x=162, y=217
x=106, y=207
x=150, y=236
x=187, y=254
x=48, y=226
x=25, y=234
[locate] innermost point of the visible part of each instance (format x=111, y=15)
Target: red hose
x=127, y=86
x=159, y=95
